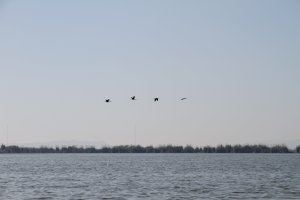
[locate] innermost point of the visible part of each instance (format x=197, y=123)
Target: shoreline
x=227, y=149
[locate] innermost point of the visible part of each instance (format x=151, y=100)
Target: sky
x=237, y=62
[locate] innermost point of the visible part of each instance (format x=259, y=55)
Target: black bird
x=107, y=100
x=133, y=98
x=183, y=99
x=155, y=99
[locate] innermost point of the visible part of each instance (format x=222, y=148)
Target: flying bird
x=155, y=99
x=133, y=98
x=182, y=99
x=107, y=100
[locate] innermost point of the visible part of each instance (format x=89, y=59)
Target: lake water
x=149, y=176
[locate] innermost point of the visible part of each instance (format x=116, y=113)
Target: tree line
x=260, y=148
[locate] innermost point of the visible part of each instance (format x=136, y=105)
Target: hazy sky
x=238, y=62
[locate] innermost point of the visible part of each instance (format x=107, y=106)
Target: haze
x=237, y=62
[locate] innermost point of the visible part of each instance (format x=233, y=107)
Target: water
x=149, y=176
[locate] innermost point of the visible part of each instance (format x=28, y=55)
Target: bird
x=155, y=99
x=182, y=99
x=107, y=100
x=133, y=98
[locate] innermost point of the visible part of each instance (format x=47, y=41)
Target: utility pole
x=6, y=134
x=134, y=134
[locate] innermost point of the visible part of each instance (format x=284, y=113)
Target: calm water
x=149, y=176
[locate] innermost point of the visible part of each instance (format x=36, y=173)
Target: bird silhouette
x=107, y=100
x=155, y=99
x=182, y=99
x=133, y=98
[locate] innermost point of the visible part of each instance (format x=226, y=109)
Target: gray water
x=149, y=176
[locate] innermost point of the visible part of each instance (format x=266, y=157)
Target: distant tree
x=150, y=149
x=188, y=149
x=2, y=148
x=198, y=150
x=228, y=148
x=237, y=148
x=279, y=149
x=298, y=149
x=208, y=149
x=220, y=149
x=106, y=149
x=91, y=150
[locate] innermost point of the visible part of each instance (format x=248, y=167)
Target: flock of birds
x=133, y=98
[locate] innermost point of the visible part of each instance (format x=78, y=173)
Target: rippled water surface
x=149, y=176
